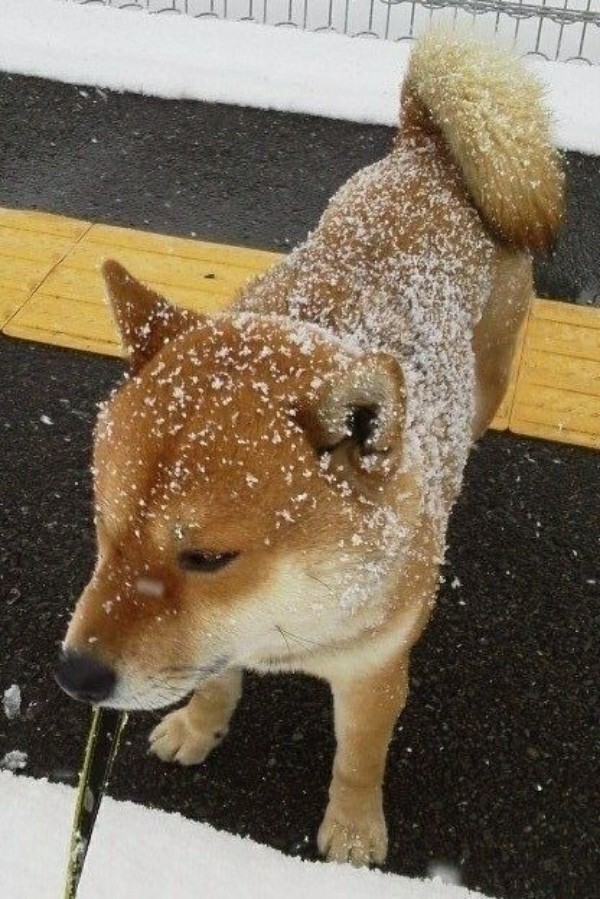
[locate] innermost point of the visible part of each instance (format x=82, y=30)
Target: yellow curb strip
x=51, y=292
x=28, y=255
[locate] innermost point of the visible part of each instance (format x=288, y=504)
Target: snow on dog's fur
x=273, y=484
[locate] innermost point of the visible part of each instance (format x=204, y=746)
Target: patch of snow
x=151, y=854
x=11, y=701
x=444, y=872
x=15, y=760
x=249, y=65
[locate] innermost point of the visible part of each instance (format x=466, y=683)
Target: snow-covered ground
x=393, y=20
x=250, y=65
x=138, y=853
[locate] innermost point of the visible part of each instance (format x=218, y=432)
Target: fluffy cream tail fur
x=489, y=109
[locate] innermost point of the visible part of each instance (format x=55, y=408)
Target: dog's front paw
x=361, y=840
x=175, y=739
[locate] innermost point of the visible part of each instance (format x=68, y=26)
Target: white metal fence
x=567, y=30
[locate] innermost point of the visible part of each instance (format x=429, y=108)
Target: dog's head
x=250, y=500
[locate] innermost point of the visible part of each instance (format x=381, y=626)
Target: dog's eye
x=198, y=560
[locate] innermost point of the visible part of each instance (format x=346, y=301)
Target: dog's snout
x=85, y=677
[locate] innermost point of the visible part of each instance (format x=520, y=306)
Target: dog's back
x=426, y=253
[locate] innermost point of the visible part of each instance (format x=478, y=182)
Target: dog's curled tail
x=490, y=111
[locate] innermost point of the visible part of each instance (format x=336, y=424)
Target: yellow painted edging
x=32, y=244
x=64, y=300
x=51, y=291
x=557, y=390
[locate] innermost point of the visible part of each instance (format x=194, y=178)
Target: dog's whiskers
x=304, y=642
x=280, y=630
x=319, y=581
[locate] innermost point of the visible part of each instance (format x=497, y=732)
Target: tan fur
x=319, y=431
x=489, y=109
x=187, y=735
x=353, y=828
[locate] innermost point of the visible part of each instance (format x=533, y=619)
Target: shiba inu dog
x=273, y=483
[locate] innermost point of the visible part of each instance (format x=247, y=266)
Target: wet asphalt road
x=233, y=175
x=493, y=764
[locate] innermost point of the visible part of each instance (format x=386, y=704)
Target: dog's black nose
x=84, y=677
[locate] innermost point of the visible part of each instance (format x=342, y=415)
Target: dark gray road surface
x=492, y=767
x=236, y=175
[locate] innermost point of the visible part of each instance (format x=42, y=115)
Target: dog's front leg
x=188, y=734
x=366, y=709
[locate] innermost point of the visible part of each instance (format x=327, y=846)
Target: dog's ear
x=363, y=412
x=146, y=321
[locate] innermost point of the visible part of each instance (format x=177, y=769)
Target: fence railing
x=567, y=30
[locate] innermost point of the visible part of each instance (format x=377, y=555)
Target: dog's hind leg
x=496, y=334
x=187, y=735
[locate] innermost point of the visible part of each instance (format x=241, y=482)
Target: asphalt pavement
x=494, y=761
